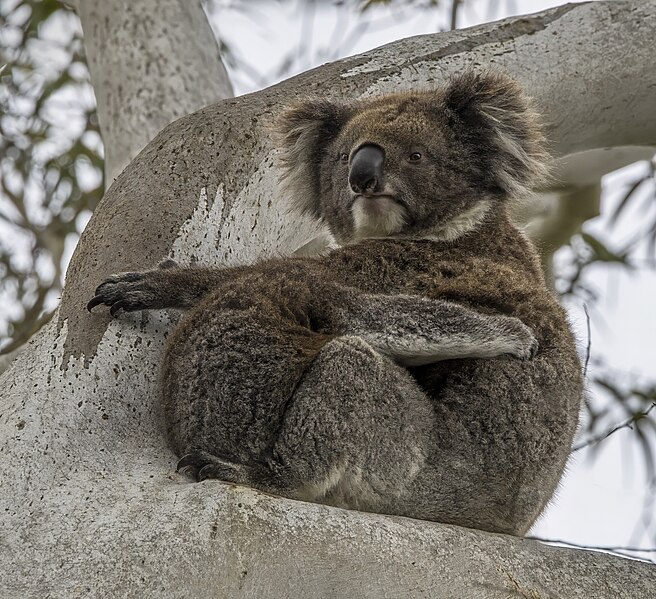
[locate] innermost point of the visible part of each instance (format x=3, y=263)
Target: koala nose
x=366, y=171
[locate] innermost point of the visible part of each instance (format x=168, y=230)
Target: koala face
x=430, y=163
x=397, y=166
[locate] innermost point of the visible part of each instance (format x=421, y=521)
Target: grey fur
x=428, y=373
x=415, y=331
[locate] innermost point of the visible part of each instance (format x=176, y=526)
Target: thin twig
x=598, y=547
x=587, y=349
x=647, y=519
x=586, y=398
x=455, y=5
x=627, y=424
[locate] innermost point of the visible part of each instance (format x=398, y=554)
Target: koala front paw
x=128, y=291
x=522, y=341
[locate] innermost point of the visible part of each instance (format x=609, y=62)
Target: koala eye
x=415, y=157
x=344, y=157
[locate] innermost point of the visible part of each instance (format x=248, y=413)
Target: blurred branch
x=633, y=188
x=587, y=249
x=32, y=322
x=354, y=19
x=645, y=522
x=455, y=6
x=627, y=424
x=555, y=216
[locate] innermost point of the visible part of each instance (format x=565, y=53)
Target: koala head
x=430, y=163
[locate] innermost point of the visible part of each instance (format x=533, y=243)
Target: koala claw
x=191, y=463
x=95, y=301
x=121, y=304
x=209, y=471
x=202, y=466
x=128, y=291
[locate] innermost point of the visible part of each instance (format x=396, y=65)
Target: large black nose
x=366, y=174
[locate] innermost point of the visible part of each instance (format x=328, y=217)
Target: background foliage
x=51, y=159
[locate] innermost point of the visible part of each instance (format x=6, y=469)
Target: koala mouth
x=375, y=199
x=373, y=196
x=378, y=215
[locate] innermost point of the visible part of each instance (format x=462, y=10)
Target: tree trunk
x=91, y=503
x=151, y=62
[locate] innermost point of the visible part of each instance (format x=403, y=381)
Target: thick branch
x=572, y=59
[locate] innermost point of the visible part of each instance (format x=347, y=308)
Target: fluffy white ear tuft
x=493, y=107
x=303, y=132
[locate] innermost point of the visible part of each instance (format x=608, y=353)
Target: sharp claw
x=205, y=472
x=190, y=459
x=97, y=299
x=121, y=304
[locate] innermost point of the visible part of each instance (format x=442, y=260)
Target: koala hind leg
x=354, y=435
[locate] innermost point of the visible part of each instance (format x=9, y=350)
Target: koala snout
x=366, y=173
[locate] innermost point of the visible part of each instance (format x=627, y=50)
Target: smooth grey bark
x=90, y=501
x=151, y=62
x=551, y=218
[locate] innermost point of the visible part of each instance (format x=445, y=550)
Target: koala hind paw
x=202, y=466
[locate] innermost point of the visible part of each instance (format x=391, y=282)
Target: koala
x=423, y=367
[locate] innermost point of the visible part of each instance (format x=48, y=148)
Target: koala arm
x=415, y=330
x=182, y=287
x=410, y=329
x=168, y=286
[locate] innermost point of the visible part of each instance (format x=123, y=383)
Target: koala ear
x=494, y=114
x=303, y=132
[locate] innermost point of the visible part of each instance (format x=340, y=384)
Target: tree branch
x=626, y=424
x=455, y=6
x=151, y=62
